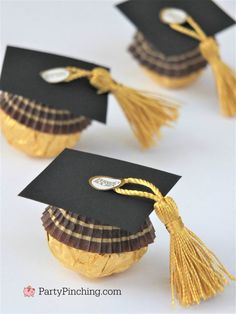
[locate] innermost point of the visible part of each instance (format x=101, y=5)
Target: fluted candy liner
x=170, y=71
x=37, y=129
x=90, y=248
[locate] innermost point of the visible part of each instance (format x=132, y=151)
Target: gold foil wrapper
x=35, y=143
x=173, y=82
x=89, y=235
x=93, y=265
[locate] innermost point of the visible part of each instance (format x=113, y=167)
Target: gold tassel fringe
x=35, y=143
x=145, y=113
x=225, y=77
x=196, y=273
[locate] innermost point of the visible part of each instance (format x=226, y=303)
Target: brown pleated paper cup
x=175, y=71
x=92, y=249
x=36, y=129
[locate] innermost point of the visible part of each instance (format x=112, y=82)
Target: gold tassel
x=225, y=77
x=146, y=114
x=195, y=272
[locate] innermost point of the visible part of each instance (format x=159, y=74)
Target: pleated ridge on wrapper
x=170, y=71
x=106, y=249
x=36, y=129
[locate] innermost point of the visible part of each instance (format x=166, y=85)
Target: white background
x=201, y=148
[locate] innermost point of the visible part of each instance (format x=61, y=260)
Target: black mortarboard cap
x=21, y=76
x=145, y=15
x=65, y=184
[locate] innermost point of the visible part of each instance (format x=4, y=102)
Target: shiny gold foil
x=173, y=82
x=35, y=143
x=93, y=265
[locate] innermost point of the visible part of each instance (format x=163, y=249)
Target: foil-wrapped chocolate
x=171, y=58
x=91, y=232
x=170, y=71
x=37, y=129
x=91, y=248
x=42, y=119
x=98, y=224
x=69, y=93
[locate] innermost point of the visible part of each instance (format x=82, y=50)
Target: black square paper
x=20, y=76
x=145, y=15
x=64, y=184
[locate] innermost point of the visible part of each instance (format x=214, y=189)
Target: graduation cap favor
x=97, y=222
x=175, y=41
x=42, y=118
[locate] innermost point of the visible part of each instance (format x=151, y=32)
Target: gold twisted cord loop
x=196, y=33
x=98, y=77
x=155, y=196
x=146, y=113
x=225, y=77
x=195, y=272
x=208, y=45
x=165, y=207
x=76, y=73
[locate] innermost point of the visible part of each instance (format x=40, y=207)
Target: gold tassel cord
x=225, y=77
x=195, y=272
x=146, y=114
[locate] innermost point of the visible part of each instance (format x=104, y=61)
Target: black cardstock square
x=20, y=76
x=144, y=14
x=64, y=183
